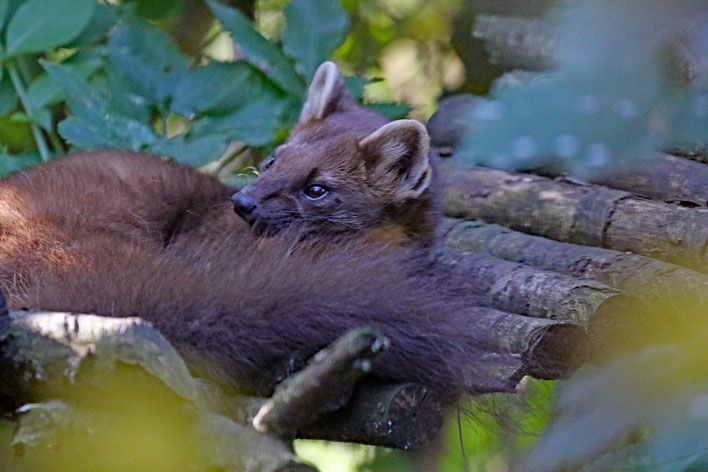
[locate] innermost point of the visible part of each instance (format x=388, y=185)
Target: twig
x=325, y=385
x=36, y=132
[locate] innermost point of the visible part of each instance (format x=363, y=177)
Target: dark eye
x=265, y=165
x=315, y=192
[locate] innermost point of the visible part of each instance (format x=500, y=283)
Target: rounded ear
x=396, y=157
x=325, y=93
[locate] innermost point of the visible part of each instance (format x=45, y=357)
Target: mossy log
x=583, y=214
x=78, y=376
x=42, y=354
x=638, y=276
x=519, y=288
x=48, y=356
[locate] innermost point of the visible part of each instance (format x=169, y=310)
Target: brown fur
x=125, y=234
x=329, y=149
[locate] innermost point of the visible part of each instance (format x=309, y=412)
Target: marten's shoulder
x=115, y=194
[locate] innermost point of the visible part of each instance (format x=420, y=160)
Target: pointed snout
x=243, y=205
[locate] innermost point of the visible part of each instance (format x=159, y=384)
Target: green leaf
x=314, y=30
x=42, y=117
x=123, y=98
x=104, y=18
x=674, y=449
x=120, y=133
x=194, y=152
x=355, y=86
x=155, y=9
x=257, y=50
x=95, y=124
x=20, y=117
x=221, y=87
x=44, y=91
x=253, y=124
x=392, y=110
x=14, y=162
x=8, y=96
x=146, y=60
x=39, y=25
x=4, y=4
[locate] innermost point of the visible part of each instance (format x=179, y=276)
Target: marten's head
x=345, y=170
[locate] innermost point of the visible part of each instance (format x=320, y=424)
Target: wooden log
x=325, y=385
x=41, y=352
x=582, y=214
x=69, y=436
x=548, y=349
x=517, y=43
x=672, y=179
x=664, y=177
x=405, y=416
x=669, y=178
x=696, y=151
x=530, y=44
x=653, y=281
x=519, y=288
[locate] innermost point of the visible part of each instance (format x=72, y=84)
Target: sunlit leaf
x=257, y=50
x=37, y=24
x=314, y=30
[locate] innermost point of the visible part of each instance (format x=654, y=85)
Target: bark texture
x=519, y=288
x=43, y=352
x=324, y=386
x=638, y=276
x=669, y=178
x=583, y=214
x=517, y=43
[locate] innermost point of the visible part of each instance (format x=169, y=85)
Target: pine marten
x=331, y=236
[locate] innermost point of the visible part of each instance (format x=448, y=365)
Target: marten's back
x=125, y=234
x=82, y=234
x=111, y=201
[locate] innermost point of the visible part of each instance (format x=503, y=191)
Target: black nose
x=243, y=205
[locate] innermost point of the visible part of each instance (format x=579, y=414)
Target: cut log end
x=561, y=348
x=403, y=416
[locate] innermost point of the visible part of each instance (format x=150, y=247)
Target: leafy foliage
x=604, y=105
x=119, y=81
x=34, y=27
